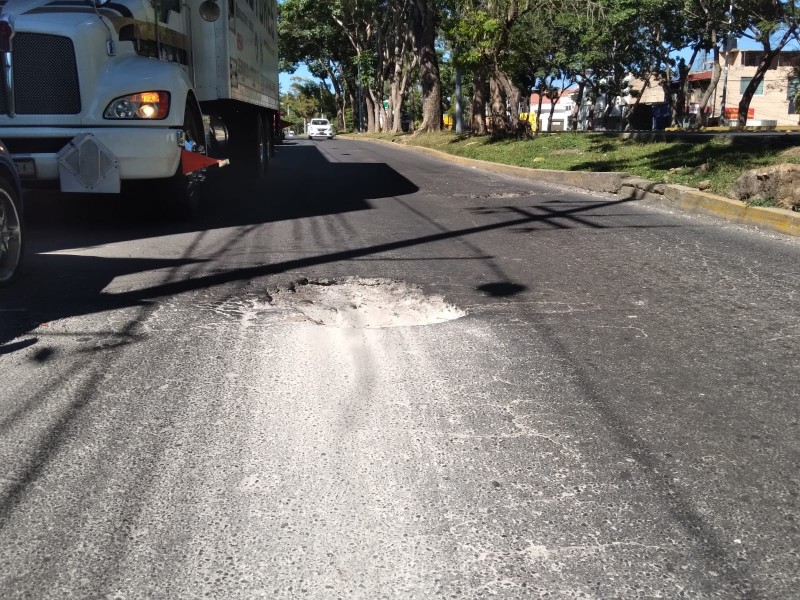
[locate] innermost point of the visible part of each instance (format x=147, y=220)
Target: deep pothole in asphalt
x=355, y=302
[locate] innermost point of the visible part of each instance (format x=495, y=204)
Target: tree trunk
x=412, y=110
x=399, y=62
x=370, y=113
x=377, y=110
x=576, y=110
x=750, y=90
x=396, y=102
x=668, y=93
x=340, y=103
x=766, y=59
x=679, y=110
x=539, y=112
x=512, y=93
x=398, y=91
x=606, y=114
x=423, y=18
x=716, y=73
x=626, y=118
x=478, y=105
x=498, y=105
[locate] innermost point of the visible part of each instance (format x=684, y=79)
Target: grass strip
x=713, y=164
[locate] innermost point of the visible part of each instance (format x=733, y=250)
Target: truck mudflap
x=85, y=164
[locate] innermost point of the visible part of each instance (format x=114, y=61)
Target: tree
x=773, y=24
x=400, y=60
x=307, y=35
x=708, y=27
x=424, y=20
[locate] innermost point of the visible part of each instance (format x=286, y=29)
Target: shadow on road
x=302, y=184
x=69, y=285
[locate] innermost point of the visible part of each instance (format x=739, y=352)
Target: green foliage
x=538, y=45
x=669, y=162
x=367, y=62
x=307, y=99
x=765, y=202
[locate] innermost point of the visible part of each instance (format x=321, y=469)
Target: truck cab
x=98, y=93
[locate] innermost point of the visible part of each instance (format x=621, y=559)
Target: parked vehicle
x=320, y=128
x=12, y=235
x=98, y=94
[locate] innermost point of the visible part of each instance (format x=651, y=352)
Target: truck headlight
x=144, y=105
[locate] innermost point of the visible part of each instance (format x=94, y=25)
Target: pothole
x=354, y=302
x=495, y=195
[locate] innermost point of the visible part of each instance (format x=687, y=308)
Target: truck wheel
x=12, y=240
x=180, y=194
x=261, y=150
x=250, y=151
x=273, y=137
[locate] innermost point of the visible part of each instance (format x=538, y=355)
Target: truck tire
x=249, y=143
x=260, y=150
x=180, y=194
x=175, y=198
x=12, y=238
x=273, y=136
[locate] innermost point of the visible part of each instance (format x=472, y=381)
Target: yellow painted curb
x=690, y=199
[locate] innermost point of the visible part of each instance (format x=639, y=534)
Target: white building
x=561, y=113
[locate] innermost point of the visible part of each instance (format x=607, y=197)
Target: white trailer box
x=236, y=56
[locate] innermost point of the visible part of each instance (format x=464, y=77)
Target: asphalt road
x=377, y=375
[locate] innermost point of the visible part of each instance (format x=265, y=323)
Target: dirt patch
x=354, y=302
x=793, y=152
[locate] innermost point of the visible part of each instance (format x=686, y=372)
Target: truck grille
x=45, y=76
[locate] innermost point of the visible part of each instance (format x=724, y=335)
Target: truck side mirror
x=209, y=10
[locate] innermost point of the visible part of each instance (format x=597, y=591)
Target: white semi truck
x=100, y=95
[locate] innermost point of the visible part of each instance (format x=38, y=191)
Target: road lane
x=615, y=415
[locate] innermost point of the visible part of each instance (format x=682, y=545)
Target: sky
x=285, y=79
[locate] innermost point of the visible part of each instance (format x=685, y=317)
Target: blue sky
x=285, y=79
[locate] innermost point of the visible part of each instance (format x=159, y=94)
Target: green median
x=712, y=165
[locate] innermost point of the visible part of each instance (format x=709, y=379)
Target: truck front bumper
x=136, y=153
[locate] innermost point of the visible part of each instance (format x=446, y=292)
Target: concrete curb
x=635, y=188
x=692, y=200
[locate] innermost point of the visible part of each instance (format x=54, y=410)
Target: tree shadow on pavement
x=71, y=285
x=303, y=185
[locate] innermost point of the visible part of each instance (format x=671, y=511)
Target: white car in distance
x=320, y=128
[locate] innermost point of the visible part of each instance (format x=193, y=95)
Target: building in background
x=561, y=112
x=775, y=100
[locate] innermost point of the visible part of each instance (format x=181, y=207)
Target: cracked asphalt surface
x=611, y=411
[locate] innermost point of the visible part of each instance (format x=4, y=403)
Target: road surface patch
x=362, y=303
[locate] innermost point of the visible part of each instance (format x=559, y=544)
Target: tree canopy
x=389, y=63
